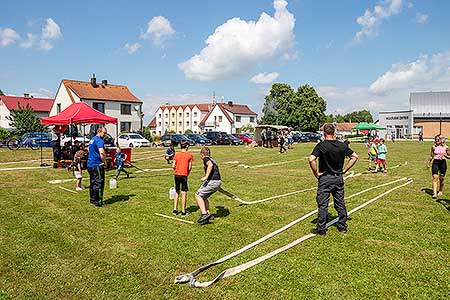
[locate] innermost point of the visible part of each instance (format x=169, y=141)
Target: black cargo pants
x=331, y=184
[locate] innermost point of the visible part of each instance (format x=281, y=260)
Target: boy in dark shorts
x=120, y=159
x=182, y=166
x=211, y=184
x=170, y=153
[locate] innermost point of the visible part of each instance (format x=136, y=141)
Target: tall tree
x=277, y=106
x=312, y=109
x=24, y=120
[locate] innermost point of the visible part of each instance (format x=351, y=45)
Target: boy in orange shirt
x=182, y=166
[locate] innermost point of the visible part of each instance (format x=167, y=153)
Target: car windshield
x=136, y=136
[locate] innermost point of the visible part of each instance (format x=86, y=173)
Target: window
x=220, y=118
x=180, y=123
x=125, y=109
x=125, y=126
x=252, y=119
x=238, y=118
x=166, y=116
x=180, y=114
x=173, y=115
x=159, y=116
x=159, y=123
x=195, y=123
x=173, y=123
x=187, y=123
x=99, y=106
x=187, y=115
x=58, y=108
x=195, y=114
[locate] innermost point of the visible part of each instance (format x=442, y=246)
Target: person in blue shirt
x=119, y=159
x=170, y=154
x=96, y=165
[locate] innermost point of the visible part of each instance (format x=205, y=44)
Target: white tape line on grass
x=23, y=161
x=271, y=164
x=173, y=218
x=235, y=270
x=67, y=190
x=145, y=158
x=234, y=197
x=23, y=168
x=187, y=277
x=57, y=181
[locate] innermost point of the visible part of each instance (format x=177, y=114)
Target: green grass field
x=54, y=245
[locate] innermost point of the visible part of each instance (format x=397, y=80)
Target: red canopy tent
x=79, y=113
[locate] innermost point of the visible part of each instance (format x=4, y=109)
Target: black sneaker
x=318, y=232
x=342, y=230
x=185, y=214
x=175, y=212
x=204, y=218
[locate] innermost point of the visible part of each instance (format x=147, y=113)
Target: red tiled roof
x=37, y=104
x=220, y=105
x=201, y=107
x=152, y=123
x=343, y=126
x=109, y=92
x=238, y=109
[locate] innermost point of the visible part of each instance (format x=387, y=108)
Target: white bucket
x=112, y=183
x=171, y=193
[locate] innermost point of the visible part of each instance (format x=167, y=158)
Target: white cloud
x=237, y=45
x=329, y=45
x=371, y=20
x=8, y=37
x=421, y=18
x=29, y=42
x=41, y=93
x=158, y=30
x=264, y=78
x=426, y=71
x=132, y=48
x=50, y=31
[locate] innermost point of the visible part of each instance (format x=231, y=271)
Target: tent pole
x=117, y=133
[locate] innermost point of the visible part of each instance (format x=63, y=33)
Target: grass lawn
x=54, y=245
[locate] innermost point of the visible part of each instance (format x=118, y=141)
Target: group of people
x=377, y=150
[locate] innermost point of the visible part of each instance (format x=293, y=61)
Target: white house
x=41, y=106
x=178, y=118
x=114, y=100
x=228, y=117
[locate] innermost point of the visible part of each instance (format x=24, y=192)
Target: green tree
x=188, y=131
x=1, y=93
x=4, y=134
x=24, y=120
x=277, y=105
x=311, y=113
x=356, y=116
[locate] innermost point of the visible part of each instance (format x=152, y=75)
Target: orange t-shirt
x=182, y=160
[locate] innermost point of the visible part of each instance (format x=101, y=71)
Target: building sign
x=397, y=118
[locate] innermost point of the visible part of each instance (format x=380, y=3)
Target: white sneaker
x=79, y=189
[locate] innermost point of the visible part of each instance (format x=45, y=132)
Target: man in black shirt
x=331, y=154
x=211, y=183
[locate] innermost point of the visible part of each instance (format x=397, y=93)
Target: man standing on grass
x=182, y=166
x=96, y=165
x=331, y=154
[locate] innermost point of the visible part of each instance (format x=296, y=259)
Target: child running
x=381, y=156
x=170, y=154
x=211, y=183
x=182, y=166
x=438, y=154
x=78, y=158
x=120, y=159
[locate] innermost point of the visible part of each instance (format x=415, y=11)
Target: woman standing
x=439, y=153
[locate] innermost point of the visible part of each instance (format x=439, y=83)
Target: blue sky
x=357, y=54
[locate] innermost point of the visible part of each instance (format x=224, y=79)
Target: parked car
x=133, y=140
x=40, y=138
x=79, y=138
x=234, y=140
x=179, y=138
x=166, y=140
x=299, y=137
x=244, y=137
x=218, y=137
x=314, y=137
x=199, y=139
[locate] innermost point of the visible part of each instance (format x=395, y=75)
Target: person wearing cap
x=331, y=154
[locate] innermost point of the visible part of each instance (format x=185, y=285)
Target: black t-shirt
x=215, y=174
x=331, y=156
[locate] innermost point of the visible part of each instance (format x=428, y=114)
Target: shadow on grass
x=331, y=217
x=221, y=212
x=445, y=203
x=192, y=208
x=117, y=198
x=428, y=191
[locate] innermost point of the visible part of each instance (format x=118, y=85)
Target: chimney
x=230, y=103
x=104, y=82
x=26, y=95
x=93, y=81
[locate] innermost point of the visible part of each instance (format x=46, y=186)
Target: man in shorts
x=211, y=184
x=182, y=166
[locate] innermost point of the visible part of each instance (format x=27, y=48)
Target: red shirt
x=182, y=160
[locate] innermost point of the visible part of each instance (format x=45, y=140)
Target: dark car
x=314, y=137
x=218, y=137
x=40, y=138
x=299, y=137
x=166, y=140
x=179, y=138
x=199, y=139
x=234, y=140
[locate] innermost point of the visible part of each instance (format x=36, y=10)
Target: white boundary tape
x=235, y=270
x=56, y=181
x=153, y=170
x=24, y=161
x=173, y=218
x=187, y=277
x=271, y=164
x=23, y=168
x=67, y=190
x=150, y=157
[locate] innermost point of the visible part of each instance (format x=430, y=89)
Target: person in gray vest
x=331, y=154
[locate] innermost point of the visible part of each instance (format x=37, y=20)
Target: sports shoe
x=204, y=218
x=318, y=232
x=175, y=212
x=343, y=230
x=79, y=188
x=185, y=214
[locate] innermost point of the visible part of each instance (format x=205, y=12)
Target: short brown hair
x=329, y=128
x=205, y=151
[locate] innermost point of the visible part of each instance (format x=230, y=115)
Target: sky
x=357, y=54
